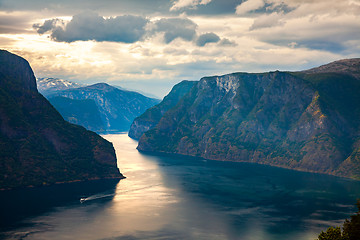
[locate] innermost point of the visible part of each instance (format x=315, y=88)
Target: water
x=167, y=197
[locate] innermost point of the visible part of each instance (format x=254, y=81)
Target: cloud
x=327, y=33
x=127, y=29
x=227, y=43
x=10, y=24
x=203, y=39
x=326, y=25
x=91, y=26
x=179, y=4
x=249, y=5
x=48, y=25
x=174, y=28
x=268, y=20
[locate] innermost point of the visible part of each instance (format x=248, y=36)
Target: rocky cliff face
x=117, y=108
x=306, y=120
x=152, y=116
x=37, y=147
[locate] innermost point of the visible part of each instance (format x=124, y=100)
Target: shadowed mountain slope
x=37, y=147
x=117, y=108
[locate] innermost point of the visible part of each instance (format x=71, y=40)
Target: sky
x=150, y=45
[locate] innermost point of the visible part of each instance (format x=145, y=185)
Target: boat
x=82, y=200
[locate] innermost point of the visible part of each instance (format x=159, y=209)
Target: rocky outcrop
x=37, y=147
x=152, y=116
x=117, y=108
x=305, y=120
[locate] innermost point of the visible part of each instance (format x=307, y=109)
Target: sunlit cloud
x=249, y=5
x=179, y=4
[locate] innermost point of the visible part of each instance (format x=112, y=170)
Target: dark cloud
x=315, y=44
x=176, y=28
x=335, y=47
x=47, y=25
x=128, y=29
x=207, y=38
x=91, y=26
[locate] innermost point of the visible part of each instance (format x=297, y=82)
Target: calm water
x=181, y=198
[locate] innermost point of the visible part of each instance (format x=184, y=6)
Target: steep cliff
x=37, y=147
x=117, y=108
x=306, y=120
x=152, y=116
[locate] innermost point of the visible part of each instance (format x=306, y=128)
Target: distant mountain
x=152, y=116
x=48, y=86
x=306, y=120
x=81, y=112
x=117, y=108
x=37, y=147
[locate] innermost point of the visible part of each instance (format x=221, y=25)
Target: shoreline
x=260, y=163
x=63, y=183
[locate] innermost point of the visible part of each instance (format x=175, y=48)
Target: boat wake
x=99, y=196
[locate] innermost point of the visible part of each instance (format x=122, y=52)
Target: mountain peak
x=345, y=66
x=101, y=86
x=16, y=70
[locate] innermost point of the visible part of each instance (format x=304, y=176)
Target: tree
x=351, y=229
x=331, y=234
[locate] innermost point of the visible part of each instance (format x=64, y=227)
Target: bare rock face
x=37, y=147
x=305, y=120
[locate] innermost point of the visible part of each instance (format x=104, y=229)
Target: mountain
x=308, y=120
x=344, y=66
x=117, y=108
x=81, y=112
x=48, y=86
x=152, y=116
x=37, y=147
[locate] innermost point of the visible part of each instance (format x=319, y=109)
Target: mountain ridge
x=305, y=120
x=117, y=108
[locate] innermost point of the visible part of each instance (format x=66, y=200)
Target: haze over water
x=166, y=197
